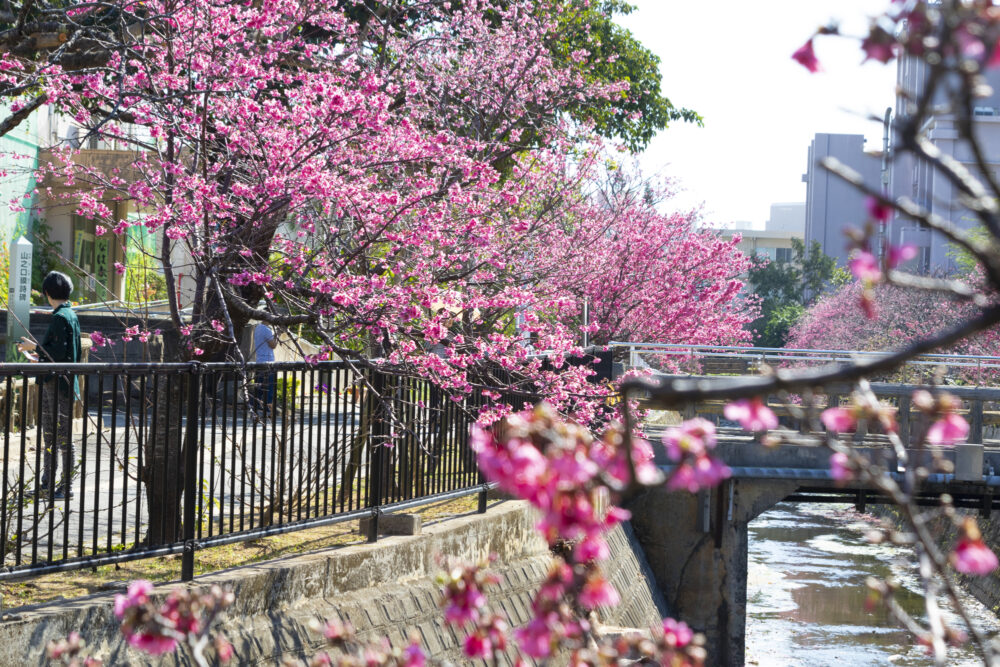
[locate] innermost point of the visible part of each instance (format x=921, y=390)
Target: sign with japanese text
x=18, y=293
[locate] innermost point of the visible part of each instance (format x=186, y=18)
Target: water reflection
x=806, y=593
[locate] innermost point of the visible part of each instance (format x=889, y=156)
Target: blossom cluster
x=561, y=469
x=690, y=445
x=571, y=477
x=71, y=652
x=350, y=651
x=185, y=616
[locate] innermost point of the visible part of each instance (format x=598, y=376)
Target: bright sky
x=730, y=60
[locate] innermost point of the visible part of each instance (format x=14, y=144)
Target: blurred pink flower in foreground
x=752, y=414
x=971, y=555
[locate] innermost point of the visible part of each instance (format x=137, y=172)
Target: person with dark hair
x=59, y=345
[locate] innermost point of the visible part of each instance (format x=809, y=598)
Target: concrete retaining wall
x=985, y=589
x=386, y=589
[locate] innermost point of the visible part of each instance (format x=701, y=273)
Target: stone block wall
x=385, y=589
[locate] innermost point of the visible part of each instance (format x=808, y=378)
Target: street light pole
x=882, y=232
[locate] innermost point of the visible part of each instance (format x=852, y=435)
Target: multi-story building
x=831, y=202
x=917, y=180
x=46, y=211
x=775, y=240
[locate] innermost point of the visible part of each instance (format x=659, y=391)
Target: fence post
x=903, y=419
x=377, y=458
x=190, y=469
x=976, y=421
x=481, y=508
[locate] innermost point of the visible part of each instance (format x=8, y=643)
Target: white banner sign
x=18, y=294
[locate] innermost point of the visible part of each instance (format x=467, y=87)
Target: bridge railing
x=154, y=459
x=981, y=407
x=716, y=359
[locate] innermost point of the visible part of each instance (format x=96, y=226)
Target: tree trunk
x=163, y=462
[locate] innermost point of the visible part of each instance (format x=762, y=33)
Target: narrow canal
x=806, y=593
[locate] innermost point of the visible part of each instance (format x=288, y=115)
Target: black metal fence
x=169, y=458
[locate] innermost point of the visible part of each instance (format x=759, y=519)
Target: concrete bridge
x=696, y=545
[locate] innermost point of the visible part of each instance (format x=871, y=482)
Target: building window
x=783, y=254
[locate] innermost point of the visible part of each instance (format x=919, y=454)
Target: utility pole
x=883, y=227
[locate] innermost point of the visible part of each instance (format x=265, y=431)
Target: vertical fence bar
x=127, y=396
x=213, y=422
x=111, y=462
x=99, y=439
x=313, y=474
x=144, y=434
x=284, y=474
x=249, y=409
x=39, y=451
x=24, y=455
x=329, y=445
x=301, y=492
x=190, y=468
x=8, y=398
x=219, y=379
x=232, y=456
x=239, y=392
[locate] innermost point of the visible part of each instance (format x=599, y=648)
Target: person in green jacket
x=59, y=345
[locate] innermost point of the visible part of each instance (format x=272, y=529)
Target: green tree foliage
x=636, y=116
x=786, y=289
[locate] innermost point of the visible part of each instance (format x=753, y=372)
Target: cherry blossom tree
x=395, y=177
x=642, y=259
x=898, y=314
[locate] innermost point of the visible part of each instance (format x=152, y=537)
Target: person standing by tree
x=59, y=345
x=264, y=342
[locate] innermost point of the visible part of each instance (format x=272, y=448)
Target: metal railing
x=172, y=458
x=979, y=405
x=636, y=355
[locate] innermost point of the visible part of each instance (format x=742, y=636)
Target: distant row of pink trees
x=897, y=316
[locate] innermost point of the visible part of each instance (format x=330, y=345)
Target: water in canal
x=806, y=592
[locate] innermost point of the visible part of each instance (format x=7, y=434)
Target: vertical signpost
x=18, y=294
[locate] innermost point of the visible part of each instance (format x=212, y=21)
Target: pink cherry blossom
x=676, y=633
x=535, y=639
x=877, y=210
x=974, y=557
x=414, y=656
x=950, y=429
x=896, y=255
x=598, y=591
x=752, y=414
x=151, y=643
x=477, y=646
x=806, y=57
x=694, y=437
x=864, y=266
x=840, y=467
x=701, y=473
x=971, y=555
x=136, y=595
x=879, y=46
x=838, y=420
